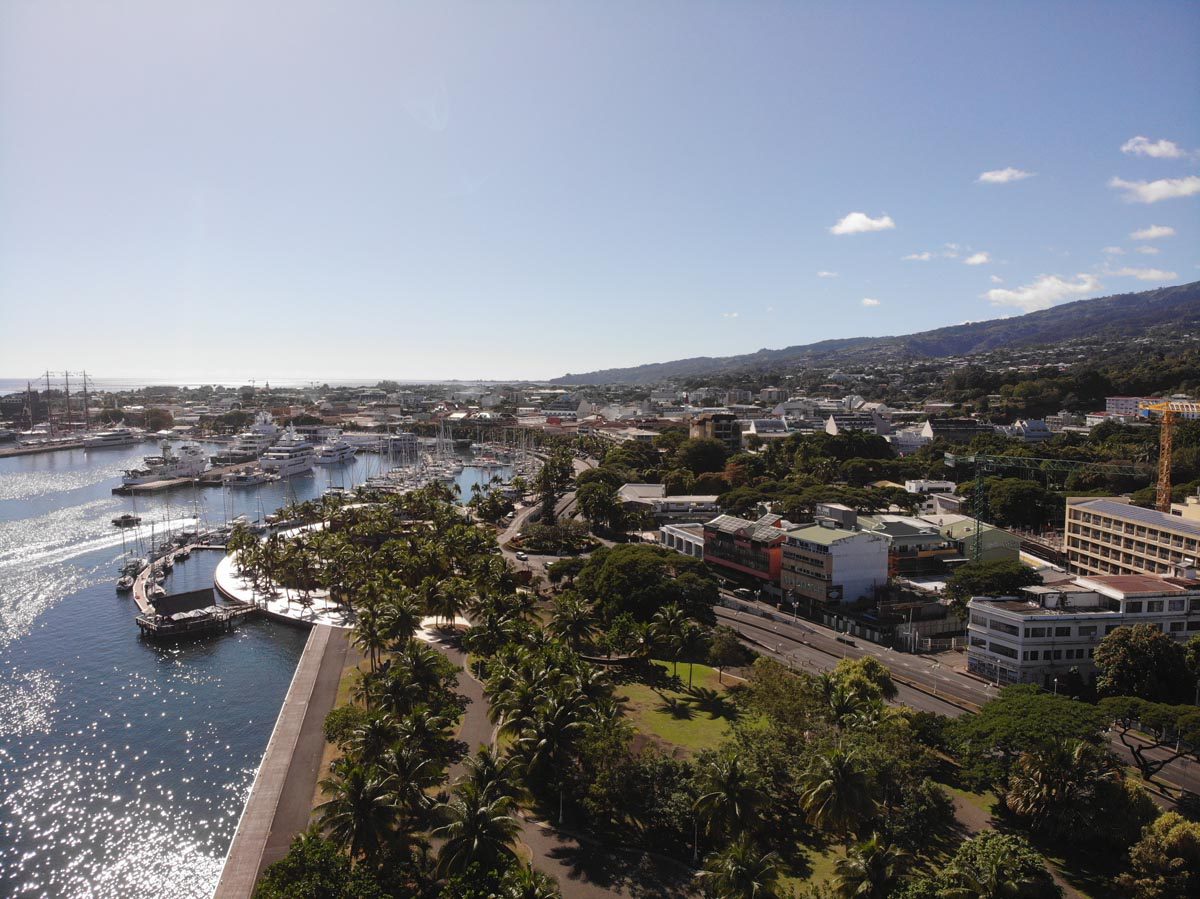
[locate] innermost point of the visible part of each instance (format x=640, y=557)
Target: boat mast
x=49, y=415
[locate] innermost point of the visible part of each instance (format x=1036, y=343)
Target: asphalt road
x=938, y=688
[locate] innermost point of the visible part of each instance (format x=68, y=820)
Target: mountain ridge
x=1126, y=314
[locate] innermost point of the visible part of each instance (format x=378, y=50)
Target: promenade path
x=280, y=802
x=584, y=868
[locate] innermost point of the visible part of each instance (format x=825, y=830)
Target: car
x=743, y=592
x=522, y=557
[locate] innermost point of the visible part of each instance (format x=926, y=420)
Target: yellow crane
x=1169, y=410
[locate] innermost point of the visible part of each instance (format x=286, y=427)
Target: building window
x=1058, y=653
x=1062, y=632
x=1003, y=628
x=1176, y=626
x=1087, y=630
x=1175, y=605
x=1133, y=608
x=1035, y=632
x=1001, y=650
x=1154, y=605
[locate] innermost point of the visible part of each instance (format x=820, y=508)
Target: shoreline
x=280, y=802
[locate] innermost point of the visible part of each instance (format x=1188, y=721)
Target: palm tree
x=492, y=775
x=546, y=742
x=360, y=814
x=411, y=774
x=667, y=628
x=872, y=870
x=372, y=738
x=369, y=636
x=1054, y=787
x=572, y=621
x=742, y=871
x=523, y=882
x=689, y=641
x=730, y=797
x=836, y=792
x=477, y=830
x=399, y=617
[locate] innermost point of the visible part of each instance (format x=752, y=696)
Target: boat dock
x=30, y=449
x=187, y=614
x=210, y=478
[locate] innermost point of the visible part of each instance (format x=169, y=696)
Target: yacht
x=247, y=477
x=335, y=450
x=293, y=454
x=251, y=443
x=189, y=461
x=112, y=437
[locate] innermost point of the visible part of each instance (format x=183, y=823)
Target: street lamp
x=1056, y=686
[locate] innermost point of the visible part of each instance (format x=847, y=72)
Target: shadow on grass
x=676, y=708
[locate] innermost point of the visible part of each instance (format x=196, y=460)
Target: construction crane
x=1169, y=410
x=988, y=464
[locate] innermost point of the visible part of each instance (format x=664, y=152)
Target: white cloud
x=824, y=274
x=860, y=222
x=729, y=315
x=1147, y=251
x=980, y=258
x=1153, y=232
x=1146, y=274
x=996, y=279
x=1044, y=292
x=1003, y=176
x=868, y=302
x=1153, y=191
x=1114, y=251
x=1159, y=149
x=919, y=257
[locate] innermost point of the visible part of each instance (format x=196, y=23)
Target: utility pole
x=85, y=401
x=67, y=388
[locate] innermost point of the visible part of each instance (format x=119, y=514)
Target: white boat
x=251, y=443
x=291, y=455
x=189, y=461
x=247, y=477
x=335, y=450
x=111, y=437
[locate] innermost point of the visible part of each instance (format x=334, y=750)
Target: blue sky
x=391, y=189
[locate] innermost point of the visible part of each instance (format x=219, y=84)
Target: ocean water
x=124, y=765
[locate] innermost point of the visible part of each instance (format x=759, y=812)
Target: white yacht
x=335, y=450
x=247, y=477
x=111, y=437
x=251, y=443
x=292, y=454
x=189, y=461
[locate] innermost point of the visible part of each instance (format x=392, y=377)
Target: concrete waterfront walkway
x=280, y=803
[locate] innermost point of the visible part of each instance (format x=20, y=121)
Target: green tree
x=314, y=868
x=742, y=871
x=1165, y=862
x=1022, y=718
x=871, y=870
x=1054, y=789
x=726, y=650
x=836, y=792
x=1140, y=660
x=995, y=578
x=730, y=796
x=359, y=813
x=994, y=865
x=477, y=830
x=701, y=454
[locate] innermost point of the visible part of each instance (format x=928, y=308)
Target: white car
x=521, y=557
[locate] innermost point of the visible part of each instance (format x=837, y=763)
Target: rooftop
x=1151, y=517
x=1140, y=584
x=815, y=533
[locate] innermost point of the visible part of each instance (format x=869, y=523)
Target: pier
x=187, y=620
x=31, y=449
x=210, y=478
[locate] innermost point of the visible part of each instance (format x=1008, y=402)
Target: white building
x=1039, y=636
x=907, y=440
x=653, y=499
x=827, y=563
x=683, y=538
x=927, y=486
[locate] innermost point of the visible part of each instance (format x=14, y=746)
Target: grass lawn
x=824, y=864
x=667, y=710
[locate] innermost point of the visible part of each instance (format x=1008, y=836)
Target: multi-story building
x=1042, y=634
x=914, y=546
x=746, y=548
x=827, y=563
x=956, y=430
x=683, y=538
x=722, y=426
x=1110, y=536
x=840, y=422
x=1126, y=406
x=653, y=499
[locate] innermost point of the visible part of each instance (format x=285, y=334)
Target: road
x=924, y=684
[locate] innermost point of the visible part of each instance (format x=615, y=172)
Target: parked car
x=522, y=557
